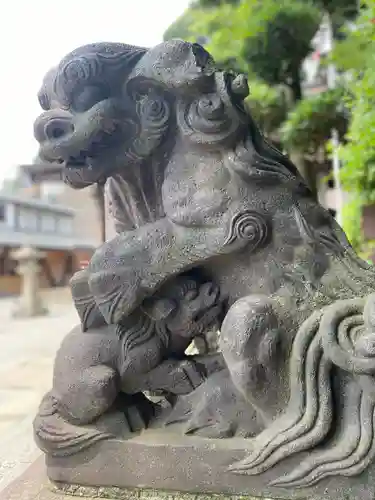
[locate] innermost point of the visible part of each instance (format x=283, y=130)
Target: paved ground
x=27, y=349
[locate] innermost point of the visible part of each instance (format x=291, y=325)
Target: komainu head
x=109, y=106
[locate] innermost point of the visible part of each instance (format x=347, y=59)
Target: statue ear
x=158, y=309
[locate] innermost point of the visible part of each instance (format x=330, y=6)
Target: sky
x=36, y=34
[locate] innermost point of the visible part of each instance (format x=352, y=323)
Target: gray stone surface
x=216, y=228
x=33, y=485
x=129, y=494
x=189, y=464
x=27, y=350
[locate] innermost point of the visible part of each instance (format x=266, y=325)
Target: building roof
x=38, y=172
x=36, y=203
x=12, y=238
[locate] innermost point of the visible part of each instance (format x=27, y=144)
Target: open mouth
x=75, y=140
x=79, y=172
x=102, y=143
x=74, y=162
x=92, y=165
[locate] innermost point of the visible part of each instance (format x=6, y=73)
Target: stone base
x=140, y=494
x=22, y=312
x=164, y=461
x=34, y=485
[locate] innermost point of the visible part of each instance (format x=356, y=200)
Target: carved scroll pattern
x=341, y=336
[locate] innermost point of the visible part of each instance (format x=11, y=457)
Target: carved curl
x=153, y=111
x=336, y=336
x=249, y=226
x=205, y=120
x=95, y=70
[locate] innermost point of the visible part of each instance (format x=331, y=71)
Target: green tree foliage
x=356, y=56
x=311, y=121
x=265, y=38
x=346, y=7
x=268, y=37
x=268, y=106
x=358, y=173
x=277, y=48
x=215, y=3
x=269, y=40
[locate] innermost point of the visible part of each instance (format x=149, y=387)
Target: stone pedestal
x=29, y=302
x=34, y=485
x=164, y=462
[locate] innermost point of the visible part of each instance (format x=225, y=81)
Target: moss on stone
x=111, y=493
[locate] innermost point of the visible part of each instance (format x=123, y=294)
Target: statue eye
x=88, y=96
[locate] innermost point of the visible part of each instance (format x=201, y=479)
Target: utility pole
x=99, y=196
x=331, y=81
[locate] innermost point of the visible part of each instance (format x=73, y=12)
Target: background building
x=38, y=209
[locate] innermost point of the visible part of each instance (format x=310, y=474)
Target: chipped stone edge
x=113, y=493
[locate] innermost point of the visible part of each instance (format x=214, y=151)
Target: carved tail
x=338, y=340
x=57, y=437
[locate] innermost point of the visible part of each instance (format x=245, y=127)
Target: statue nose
x=53, y=125
x=58, y=127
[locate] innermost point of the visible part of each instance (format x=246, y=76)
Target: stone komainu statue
x=198, y=195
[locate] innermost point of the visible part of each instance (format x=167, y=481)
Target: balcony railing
x=37, y=223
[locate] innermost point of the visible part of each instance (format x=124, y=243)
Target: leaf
x=309, y=124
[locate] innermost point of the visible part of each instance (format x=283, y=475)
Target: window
x=48, y=223
x=2, y=212
x=27, y=220
x=65, y=225
x=50, y=190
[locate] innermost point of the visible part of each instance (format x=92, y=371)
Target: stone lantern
x=30, y=302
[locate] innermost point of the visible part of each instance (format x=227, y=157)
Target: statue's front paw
x=114, y=282
x=89, y=396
